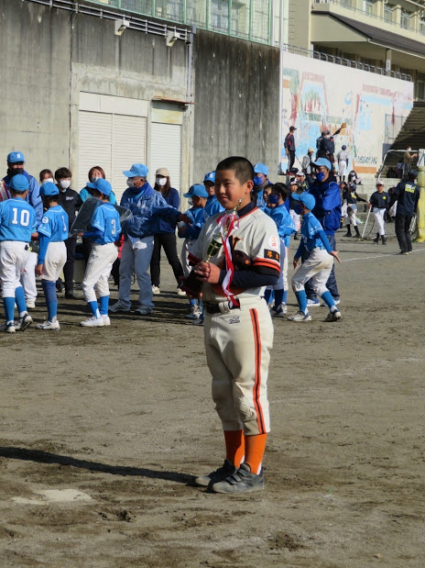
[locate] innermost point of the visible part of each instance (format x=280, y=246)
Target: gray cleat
x=243, y=481
x=218, y=475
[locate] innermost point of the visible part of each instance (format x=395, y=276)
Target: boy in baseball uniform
x=17, y=223
x=317, y=265
x=238, y=329
x=52, y=232
x=105, y=231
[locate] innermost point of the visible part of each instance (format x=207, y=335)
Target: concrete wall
x=236, y=102
x=50, y=56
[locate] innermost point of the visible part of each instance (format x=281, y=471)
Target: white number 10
x=25, y=217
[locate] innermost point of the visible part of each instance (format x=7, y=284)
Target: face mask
x=298, y=209
x=320, y=176
x=161, y=181
x=130, y=183
x=258, y=181
x=15, y=171
x=273, y=199
x=94, y=179
x=65, y=183
x=50, y=180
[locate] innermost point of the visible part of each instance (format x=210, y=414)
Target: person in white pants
x=378, y=202
x=105, y=232
x=139, y=231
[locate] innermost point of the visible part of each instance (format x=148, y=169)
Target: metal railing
x=345, y=62
x=244, y=19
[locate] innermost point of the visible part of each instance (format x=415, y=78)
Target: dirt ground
x=103, y=430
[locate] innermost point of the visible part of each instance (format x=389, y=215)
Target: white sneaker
x=143, y=311
x=181, y=292
x=49, y=326
x=106, y=320
x=8, y=327
x=93, y=322
x=24, y=321
x=195, y=313
x=313, y=303
x=119, y=306
x=300, y=317
x=333, y=316
x=30, y=304
x=156, y=290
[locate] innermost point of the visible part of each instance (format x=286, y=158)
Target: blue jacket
x=85, y=194
x=33, y=197
x=328, y=204
x=283, y=220
x=141, y=201
x=196, y=215
x=169, y=225
x=212, y=207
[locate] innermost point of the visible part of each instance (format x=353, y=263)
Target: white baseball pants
x=98, y=270
x=238, y=345
x=351, y=218
x=379, y=219
x=136, y=257
x=54, y=261
x=28, y=277
x=14, y=257
x=342, y=168
x=296, y=219
x=318, y=267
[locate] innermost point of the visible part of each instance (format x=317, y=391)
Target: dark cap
x=292, y=128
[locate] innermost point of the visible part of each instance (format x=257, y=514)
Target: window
x=368, y=7
x=422, y=26
x=347, y=3
x=388, y=14
x=405, y=20
x=420, y=90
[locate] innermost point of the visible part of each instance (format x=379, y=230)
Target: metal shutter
x=166, y=151
x=95, y=144
x=129, y=147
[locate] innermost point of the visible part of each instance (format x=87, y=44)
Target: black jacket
x=71, y=201
x=407, y=196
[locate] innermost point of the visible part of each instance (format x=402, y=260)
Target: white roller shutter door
x=166, y=151
x=95, y=145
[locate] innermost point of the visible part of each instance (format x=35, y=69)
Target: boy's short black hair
x=62, y=173
x=244, y=170
x=51, y=198
x=281, y=189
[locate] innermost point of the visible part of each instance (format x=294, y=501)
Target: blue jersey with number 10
x=106, y=219
x=54, y=224
x=17, y=220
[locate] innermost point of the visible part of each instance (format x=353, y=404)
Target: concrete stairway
x=412, y=134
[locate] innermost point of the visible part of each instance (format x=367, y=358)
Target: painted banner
x=318, y=95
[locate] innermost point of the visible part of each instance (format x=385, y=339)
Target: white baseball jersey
x=256, y=236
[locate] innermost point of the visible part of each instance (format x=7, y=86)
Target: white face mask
x=130, y=182
x=161, y=181
x=47, y=180
x=65, y=183
x=94, y=179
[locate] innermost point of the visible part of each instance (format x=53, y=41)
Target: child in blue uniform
x=52, y=232
x=17, y=223
x=279, y=213
x=106, y=230
x=317, y=265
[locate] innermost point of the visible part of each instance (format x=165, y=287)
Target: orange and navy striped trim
x=257, y=382
x=267, y=263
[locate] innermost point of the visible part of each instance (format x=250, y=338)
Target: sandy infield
x=102, y=431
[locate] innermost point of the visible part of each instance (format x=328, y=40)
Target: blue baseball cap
x=101, y=185
x=261, y=169
x=323, y=162
x=15, y=158
x=306, y=198
x=48, y=188
x=210, y=177
x=137, y=170
x=196, y=190
x=19, y=183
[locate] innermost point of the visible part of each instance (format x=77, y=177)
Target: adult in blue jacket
x=328, y=211
x=166, y=236
x=139, y=232
x=15, y=165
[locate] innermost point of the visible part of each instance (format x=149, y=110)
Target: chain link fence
x=246, y=19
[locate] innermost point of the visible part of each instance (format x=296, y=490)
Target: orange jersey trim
x=268, y=263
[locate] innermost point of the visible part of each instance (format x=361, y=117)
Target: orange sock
x=235, y=446
x=255, y=447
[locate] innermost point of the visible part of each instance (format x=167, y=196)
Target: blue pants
x=331, y=283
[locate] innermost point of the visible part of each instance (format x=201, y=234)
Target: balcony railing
x=345, y=62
